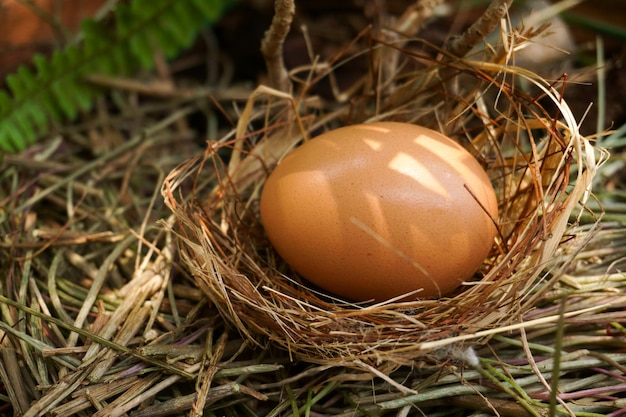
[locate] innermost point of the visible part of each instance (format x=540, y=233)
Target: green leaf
x=11, y=140
x=210, y=9
x=139, y=44
x=15, y=85
x=55, y=87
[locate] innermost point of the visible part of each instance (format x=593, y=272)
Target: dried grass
x=101, y=314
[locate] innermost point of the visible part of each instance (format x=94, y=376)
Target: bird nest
x=526, y=139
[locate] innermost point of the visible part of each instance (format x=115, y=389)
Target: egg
x=374, y=211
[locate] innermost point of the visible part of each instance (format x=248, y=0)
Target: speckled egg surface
x=374, y=211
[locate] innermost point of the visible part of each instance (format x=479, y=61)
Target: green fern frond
x=55, y=89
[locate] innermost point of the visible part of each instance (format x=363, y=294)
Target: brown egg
x=374, y=211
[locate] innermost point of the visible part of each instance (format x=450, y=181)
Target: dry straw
x=526, y=138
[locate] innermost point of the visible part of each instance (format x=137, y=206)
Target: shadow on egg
x=375, y=211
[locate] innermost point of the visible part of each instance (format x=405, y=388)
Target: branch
x=461, y=45
x=272, y=44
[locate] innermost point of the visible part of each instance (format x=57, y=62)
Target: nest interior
x=525, y=137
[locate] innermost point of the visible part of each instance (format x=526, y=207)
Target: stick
x=272, y=44
x=459, y=46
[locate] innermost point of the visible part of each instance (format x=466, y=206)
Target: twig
x=460, y=46
x=272, y=44
x=405, y=28
x=208, y=373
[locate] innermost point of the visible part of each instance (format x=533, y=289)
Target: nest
x=526, y=139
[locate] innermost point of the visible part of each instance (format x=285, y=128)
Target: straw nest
x=526, y=139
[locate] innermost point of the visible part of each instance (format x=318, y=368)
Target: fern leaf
x=56, y=87
x=208, y=8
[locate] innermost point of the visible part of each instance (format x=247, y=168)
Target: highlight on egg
x=380, y=210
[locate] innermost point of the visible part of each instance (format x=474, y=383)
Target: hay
x=540, y=165
x=102, y=315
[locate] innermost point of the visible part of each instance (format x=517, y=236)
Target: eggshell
x=374, y=211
